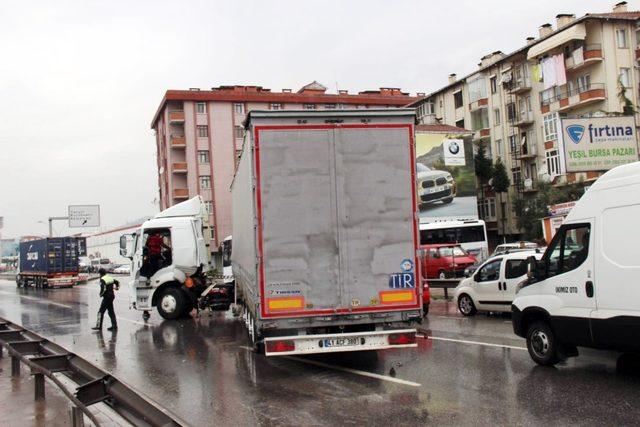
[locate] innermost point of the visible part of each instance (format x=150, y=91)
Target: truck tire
x=172, y=303
x=542, y=344
x=466, y=305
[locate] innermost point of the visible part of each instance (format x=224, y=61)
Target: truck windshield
x=456, y=251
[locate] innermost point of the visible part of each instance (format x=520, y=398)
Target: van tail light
x=279, y=346
x=402, y=338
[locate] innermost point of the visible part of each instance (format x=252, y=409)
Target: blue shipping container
x=49, y=256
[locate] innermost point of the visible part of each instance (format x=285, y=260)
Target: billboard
x=84, y=216
x=599, y=143
x=445, y=177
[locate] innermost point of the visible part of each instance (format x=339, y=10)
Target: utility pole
x=55, y=218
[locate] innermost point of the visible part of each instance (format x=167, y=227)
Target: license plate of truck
x=343, y=342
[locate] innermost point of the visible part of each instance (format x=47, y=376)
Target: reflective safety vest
x=108, y=280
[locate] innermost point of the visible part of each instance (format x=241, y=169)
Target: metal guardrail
x=445, y=284
x=46, y=358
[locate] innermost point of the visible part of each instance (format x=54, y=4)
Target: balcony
x=176, y=117
x=481, y=134
x=591, y=54
x=180, y=193
x=573, y=98
x=478, y=104
x=179, y=167
x=582, y=96
x=178, y=141
x=523, y=118
x=519, y=86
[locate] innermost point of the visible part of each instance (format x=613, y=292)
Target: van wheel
x=542, y=344
x=171, y=304
x=466, y=305
x=442, y=274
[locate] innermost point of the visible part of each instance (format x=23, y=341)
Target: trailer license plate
x=343, y=342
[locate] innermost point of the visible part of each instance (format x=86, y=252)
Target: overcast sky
x=81, y=80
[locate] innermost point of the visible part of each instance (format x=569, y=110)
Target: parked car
x=443, y=261
x=493, y=286
x=123, y=269
x=435, y=185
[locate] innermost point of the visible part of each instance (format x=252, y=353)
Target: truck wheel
x=171, y=303
x=542, y=344
x=466, y=305
x=442, y=274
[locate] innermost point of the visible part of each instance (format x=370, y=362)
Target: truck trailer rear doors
x=357, y=251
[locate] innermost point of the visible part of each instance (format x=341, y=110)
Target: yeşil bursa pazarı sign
x=599, y=143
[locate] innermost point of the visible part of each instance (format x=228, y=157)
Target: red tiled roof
x=616, y=15
x=441, y=129
x=382, y=97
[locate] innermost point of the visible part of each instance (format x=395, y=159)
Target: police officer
x=107, y=284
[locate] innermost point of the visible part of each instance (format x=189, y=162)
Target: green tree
x=483, y=169
x=500, y=183
x=530, y=210
x=628, y=109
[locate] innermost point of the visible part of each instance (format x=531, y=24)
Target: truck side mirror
x=124, y=246
x=531, y=267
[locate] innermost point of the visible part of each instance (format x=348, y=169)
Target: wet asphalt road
x=466, y=371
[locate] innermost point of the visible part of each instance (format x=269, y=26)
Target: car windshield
x=422, y=168
x=455, y=251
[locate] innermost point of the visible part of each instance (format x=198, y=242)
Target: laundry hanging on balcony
x=536, y=73
x=553, y=71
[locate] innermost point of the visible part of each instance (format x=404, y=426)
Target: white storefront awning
x=576, y=32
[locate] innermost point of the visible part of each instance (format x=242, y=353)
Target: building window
x=496, y=117
x=460, y=124
x=213, y=233
x=205, y=182
x=625, y=77
x=489, y=151
x=512, y=143
x=238, y=108
x=499, y=147
x=203, y=131
x=208, y=206
x=239, y=132
x=201, y=107
x=479, y=119
x=621, y=37
x=276, y=106
x=550, y=128
x=517, y=178
x=511, y=111
x=309, y=106
x=457, y=99
x=203, y=156
x=487, y=208
x=329, y=106
x=493, y=82
x=477, y=89
x=553, y=162
x=584, y=82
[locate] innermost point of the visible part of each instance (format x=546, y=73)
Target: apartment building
x=514, y=102
x=199, y=135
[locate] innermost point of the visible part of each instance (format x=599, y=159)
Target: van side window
x=490, y=271
x=568, y=250
x=515, y=268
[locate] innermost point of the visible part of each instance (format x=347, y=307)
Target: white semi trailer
x=325, y=231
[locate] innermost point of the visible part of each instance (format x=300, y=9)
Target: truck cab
x=169, y=277
x=583, y=292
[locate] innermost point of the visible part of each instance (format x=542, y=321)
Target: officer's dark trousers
x=106, y=305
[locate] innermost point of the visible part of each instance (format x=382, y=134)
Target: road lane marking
x=40, y=300
x=137, y=322
x=355, y=371
x=348, y=370
x=488, y=344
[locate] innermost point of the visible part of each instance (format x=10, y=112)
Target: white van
x=584, y=291
x=493, y=286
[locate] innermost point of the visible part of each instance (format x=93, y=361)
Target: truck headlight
x=449, y=178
